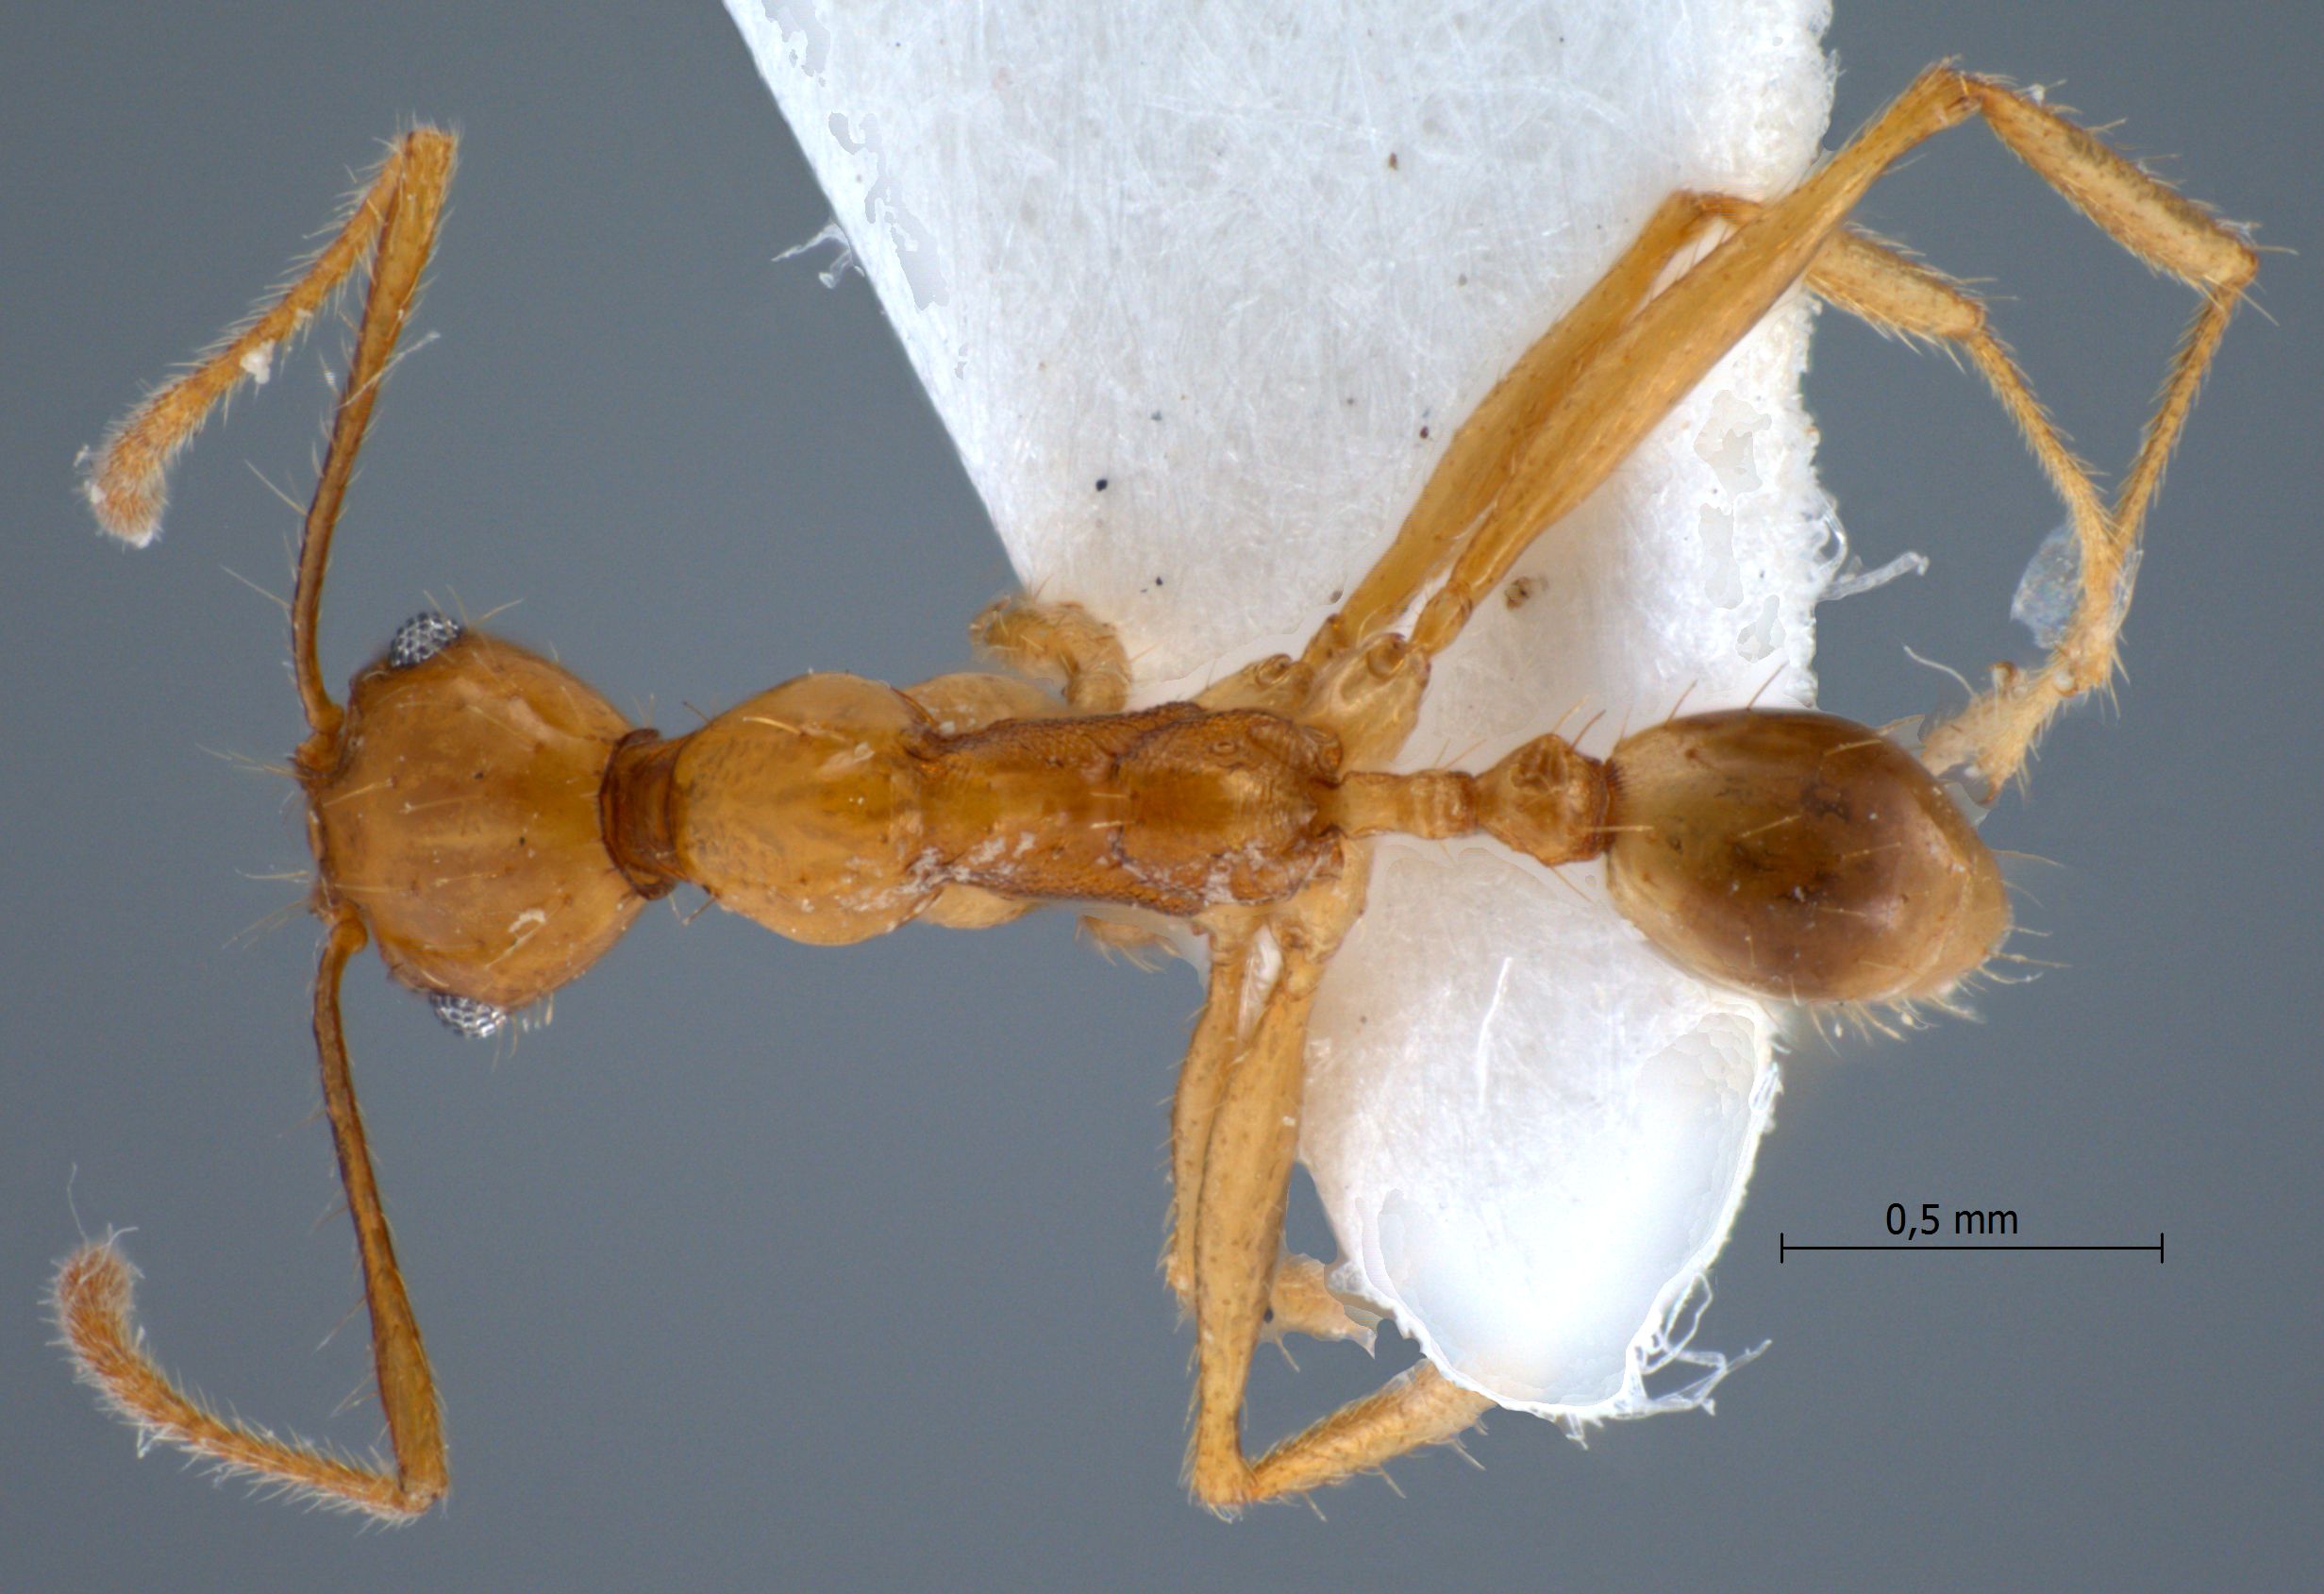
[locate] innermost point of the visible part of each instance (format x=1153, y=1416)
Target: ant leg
x=1993, y=735
x=1643, y=371
x=1902, y=298
x=1417, y=1409
x=1476, y=465
x=1245, y=1178
x=1369, y=699
x=91, y=1300
x=1140, y=945
x=970, y=701
x=1210, y=1057
x=1894, y=294
x=1299, y=1299
x=1996, y=733
x=1060, y=642
x=971, y=907
x=1239, y=1225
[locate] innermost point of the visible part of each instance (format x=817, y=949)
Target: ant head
x=455, y=810
x=453, y=802
x=1798, y=856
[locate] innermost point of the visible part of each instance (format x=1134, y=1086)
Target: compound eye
x=478, y=1020
x=420, y=639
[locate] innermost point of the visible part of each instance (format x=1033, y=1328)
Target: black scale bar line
x=1785, y=1246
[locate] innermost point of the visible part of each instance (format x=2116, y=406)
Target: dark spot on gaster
x=1155, y=416
x=1101, y=484
x=477, y=775
x=1462, y=280
x=1337, y=593
x=1157, y=581
x=1392, y=160
x=1424, y=434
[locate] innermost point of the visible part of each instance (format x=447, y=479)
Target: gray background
x=771, y=1267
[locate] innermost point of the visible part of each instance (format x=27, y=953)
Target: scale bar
x=1785, y=1245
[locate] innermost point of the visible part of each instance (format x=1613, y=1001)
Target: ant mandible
x=494, y=825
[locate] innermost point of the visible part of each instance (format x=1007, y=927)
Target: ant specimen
x=494, y=825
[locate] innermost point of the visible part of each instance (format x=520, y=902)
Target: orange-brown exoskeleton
x=492, y=825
